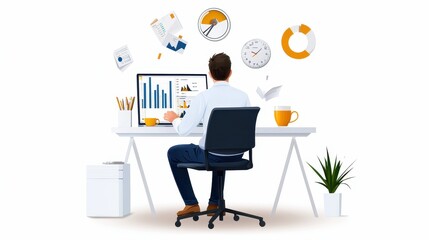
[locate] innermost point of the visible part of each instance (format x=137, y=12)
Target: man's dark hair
x=220, y=66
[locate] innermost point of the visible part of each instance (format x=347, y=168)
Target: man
x=221, y=94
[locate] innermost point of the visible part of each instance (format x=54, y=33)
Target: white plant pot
x=332, y=204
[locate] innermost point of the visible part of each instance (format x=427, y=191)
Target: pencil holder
x=124, y=118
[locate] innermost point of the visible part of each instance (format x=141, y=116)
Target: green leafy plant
x=331, y=176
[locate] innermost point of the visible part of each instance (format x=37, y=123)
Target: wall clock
x=214, y=24
x=256, y=53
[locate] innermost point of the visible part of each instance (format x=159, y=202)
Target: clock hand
x=210, y=30
x=211, y=26
x=213, y=23
x=254, y=53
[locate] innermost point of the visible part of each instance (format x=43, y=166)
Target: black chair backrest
x=231, y=129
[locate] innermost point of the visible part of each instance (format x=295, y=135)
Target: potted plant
x=332, y=178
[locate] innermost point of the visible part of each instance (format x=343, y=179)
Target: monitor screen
x=158, y=93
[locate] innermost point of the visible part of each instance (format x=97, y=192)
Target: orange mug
x=150, y=122
x=283, y=115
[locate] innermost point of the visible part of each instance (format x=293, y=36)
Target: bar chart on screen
x=158, y=93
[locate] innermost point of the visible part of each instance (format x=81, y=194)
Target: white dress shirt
x=221, y=94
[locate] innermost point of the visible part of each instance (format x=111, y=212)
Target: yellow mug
x=151, y=121
x=283, y=115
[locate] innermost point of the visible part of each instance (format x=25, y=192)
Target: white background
x=363, y=87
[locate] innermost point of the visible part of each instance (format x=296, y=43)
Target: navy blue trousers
x=188, y=153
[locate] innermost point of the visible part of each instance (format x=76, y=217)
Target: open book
x=269, y=89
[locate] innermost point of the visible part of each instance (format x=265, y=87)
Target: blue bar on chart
x=144, y=95
x=154, y=99
x=171, y=97
x=160, y=96
x=157, y=96
x=150, y=90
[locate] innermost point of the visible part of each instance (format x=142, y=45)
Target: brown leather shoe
x=189, y=209
x=212, y=207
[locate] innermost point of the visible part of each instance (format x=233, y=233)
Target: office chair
x=229, y=131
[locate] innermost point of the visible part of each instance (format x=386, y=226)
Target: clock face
x=256, y=53
x=214, y=24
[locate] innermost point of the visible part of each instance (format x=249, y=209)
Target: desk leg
x=305, y=179
x=279, y=191
x=132, y=143
x=292, y=145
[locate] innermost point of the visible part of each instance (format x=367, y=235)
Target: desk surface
x=168, y=131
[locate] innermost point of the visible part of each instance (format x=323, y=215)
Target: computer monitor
x=158, y=93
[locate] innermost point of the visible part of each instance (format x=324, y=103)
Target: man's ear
x=229, y=75
x=210, y=75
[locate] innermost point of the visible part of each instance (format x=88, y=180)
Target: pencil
x=128, y=104
x=132, y=102
x=119, y=104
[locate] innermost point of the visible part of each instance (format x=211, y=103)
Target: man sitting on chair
x=221, y=94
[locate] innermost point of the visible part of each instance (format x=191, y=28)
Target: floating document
x=167, y=24
x=174, y=43
x=269, y=89
x=123, y=57
x=165, y=28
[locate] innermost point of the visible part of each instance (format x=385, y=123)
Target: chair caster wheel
x=261, y=223
x=211, y=225
x=236, y=217
x=177, y=224
x=195, y=218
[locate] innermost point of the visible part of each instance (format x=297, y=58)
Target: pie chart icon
x=214, y=24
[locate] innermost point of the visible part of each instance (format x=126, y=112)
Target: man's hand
x=170, y=116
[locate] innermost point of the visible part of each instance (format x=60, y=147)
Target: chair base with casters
x=221, y=210
x=229, y=131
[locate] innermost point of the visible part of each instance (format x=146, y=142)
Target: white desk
x=161, y=131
